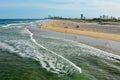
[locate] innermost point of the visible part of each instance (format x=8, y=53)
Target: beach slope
x=85, y=29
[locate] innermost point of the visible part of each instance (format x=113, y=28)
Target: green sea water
x=30, y=53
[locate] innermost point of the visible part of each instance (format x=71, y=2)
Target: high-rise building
x=82, y=17
x=118, y=18
x=104, y=16
x=100, y=17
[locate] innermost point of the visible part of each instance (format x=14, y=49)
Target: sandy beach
x=85, y=29
x=104, y=37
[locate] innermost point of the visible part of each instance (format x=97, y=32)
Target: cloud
x=106, y=5
x=90, y=5
x=68, y=5
x=62, y=0
x=38, y=5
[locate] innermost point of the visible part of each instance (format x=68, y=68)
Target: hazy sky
x=66, y=8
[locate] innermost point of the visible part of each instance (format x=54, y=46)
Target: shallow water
x=65, y=57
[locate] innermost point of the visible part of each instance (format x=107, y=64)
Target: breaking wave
x=59, y=56
x=90, y=50
x=56, y=54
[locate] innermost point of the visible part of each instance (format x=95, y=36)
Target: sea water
x=56, y=54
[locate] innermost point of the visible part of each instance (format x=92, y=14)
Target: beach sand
x=85, y=29
x=104, y=37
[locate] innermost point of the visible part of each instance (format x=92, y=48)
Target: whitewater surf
x=68, y=59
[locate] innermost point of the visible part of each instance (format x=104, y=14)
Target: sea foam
x=76, y=67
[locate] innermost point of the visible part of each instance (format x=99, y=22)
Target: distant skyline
x=66, y=8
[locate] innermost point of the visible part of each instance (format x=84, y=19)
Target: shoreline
x=102, y=44
x=55, y=26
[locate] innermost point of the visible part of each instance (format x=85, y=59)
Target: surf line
x=110, y=55
x=31, y=36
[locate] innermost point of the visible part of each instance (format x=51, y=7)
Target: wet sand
x=109, y=44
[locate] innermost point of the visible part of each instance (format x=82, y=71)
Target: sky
x=66, y=8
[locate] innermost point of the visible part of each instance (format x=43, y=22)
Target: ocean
x=39, y=54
